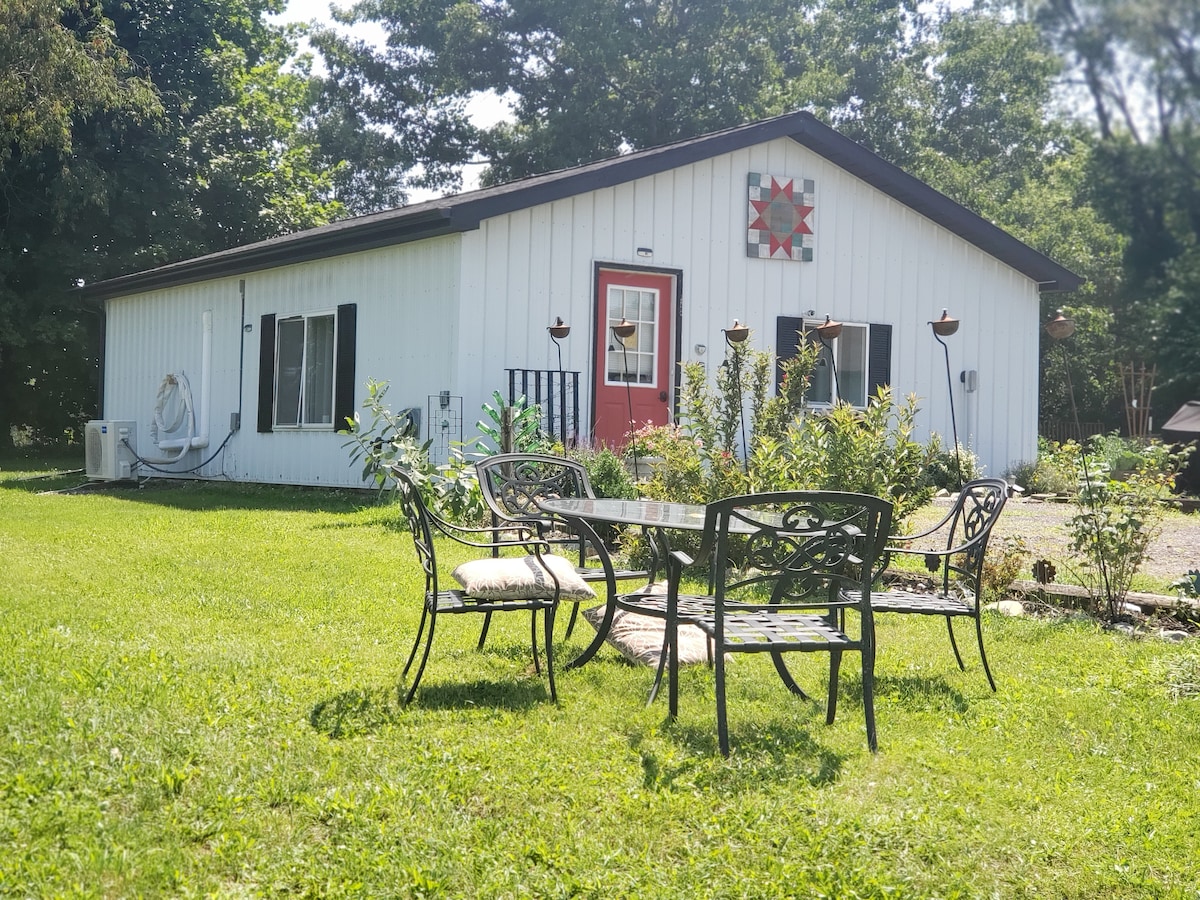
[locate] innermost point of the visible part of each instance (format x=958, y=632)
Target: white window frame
x=305, y=364
x=641, y=347
x=846, y=361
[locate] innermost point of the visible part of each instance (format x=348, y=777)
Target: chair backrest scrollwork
x=418, y=525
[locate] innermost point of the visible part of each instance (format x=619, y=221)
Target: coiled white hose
x=173, y=388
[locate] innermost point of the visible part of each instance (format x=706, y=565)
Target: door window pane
x=635, y=359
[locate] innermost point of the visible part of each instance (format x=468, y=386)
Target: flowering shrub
x=650, y=439
x=788, y=446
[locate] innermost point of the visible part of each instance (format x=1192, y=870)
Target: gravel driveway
x=1043, y=526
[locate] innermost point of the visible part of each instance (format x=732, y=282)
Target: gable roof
x=464, y=212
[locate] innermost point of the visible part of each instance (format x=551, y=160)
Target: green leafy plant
x=648, y=439
x=791, y=447
x=384, y=438
x=606, y=472
x=515, y=427
x=1114, y=525
x=1188, y=586
x=943, y=465
x=1006, y=559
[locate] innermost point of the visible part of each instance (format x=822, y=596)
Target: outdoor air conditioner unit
x=109, y=458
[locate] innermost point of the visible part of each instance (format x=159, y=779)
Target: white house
x=775, y=224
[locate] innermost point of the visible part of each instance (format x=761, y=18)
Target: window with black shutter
x=851, y=366
x=306, y=370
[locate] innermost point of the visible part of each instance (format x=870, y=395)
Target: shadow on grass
x=910, y=692
x=357, y=712
x=761, y=751
x=370, y=710
x=195, y=494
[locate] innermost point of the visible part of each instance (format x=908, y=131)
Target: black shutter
x=879, y=358
x=343, y=385
x=787, y=343
x=266, y=373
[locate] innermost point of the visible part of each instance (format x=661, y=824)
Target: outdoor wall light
x=645, y=251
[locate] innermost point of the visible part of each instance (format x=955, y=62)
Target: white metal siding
x=875, y=260
x=406, y=299
x=154, y=335
x=452, y=313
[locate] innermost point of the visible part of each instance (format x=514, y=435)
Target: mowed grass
x=198, y=697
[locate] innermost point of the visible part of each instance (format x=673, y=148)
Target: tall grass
x=198, y=696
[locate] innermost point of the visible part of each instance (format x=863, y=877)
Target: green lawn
x=199, y=697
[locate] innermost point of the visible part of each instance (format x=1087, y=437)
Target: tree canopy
x=137, y=132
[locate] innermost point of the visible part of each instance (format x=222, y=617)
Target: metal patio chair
x=787, y=568
x=539, y=593
x=513, y=483
x=957, y=566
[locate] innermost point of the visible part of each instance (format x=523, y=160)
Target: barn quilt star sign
x=779, y=213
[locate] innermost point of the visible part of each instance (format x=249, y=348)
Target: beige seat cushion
x=640, y=638
x=522, y=578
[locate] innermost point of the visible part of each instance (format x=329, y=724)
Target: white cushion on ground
x=640, y=638
x=513, y=578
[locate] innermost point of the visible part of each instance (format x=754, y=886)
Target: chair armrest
x=682, y=559
x=526, y=536
x=906, y=538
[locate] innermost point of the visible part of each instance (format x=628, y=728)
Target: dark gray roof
x=464, y=212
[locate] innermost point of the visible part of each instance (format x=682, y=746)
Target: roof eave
x=303, y=247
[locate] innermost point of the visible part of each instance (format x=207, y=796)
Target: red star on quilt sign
x=778, y=212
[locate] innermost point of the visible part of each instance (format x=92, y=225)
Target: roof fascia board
x=304, y=247
x=619, y=170
x=467, y=211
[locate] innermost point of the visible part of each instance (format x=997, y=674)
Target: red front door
x=633, y=375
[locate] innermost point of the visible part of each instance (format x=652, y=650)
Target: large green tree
x=588, y=79
x=146, y=131
x=61, y=70
x=1134, y=65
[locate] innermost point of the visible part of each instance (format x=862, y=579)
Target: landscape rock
x=1126, y=628
x=1007, y=607
x=1174, y=635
